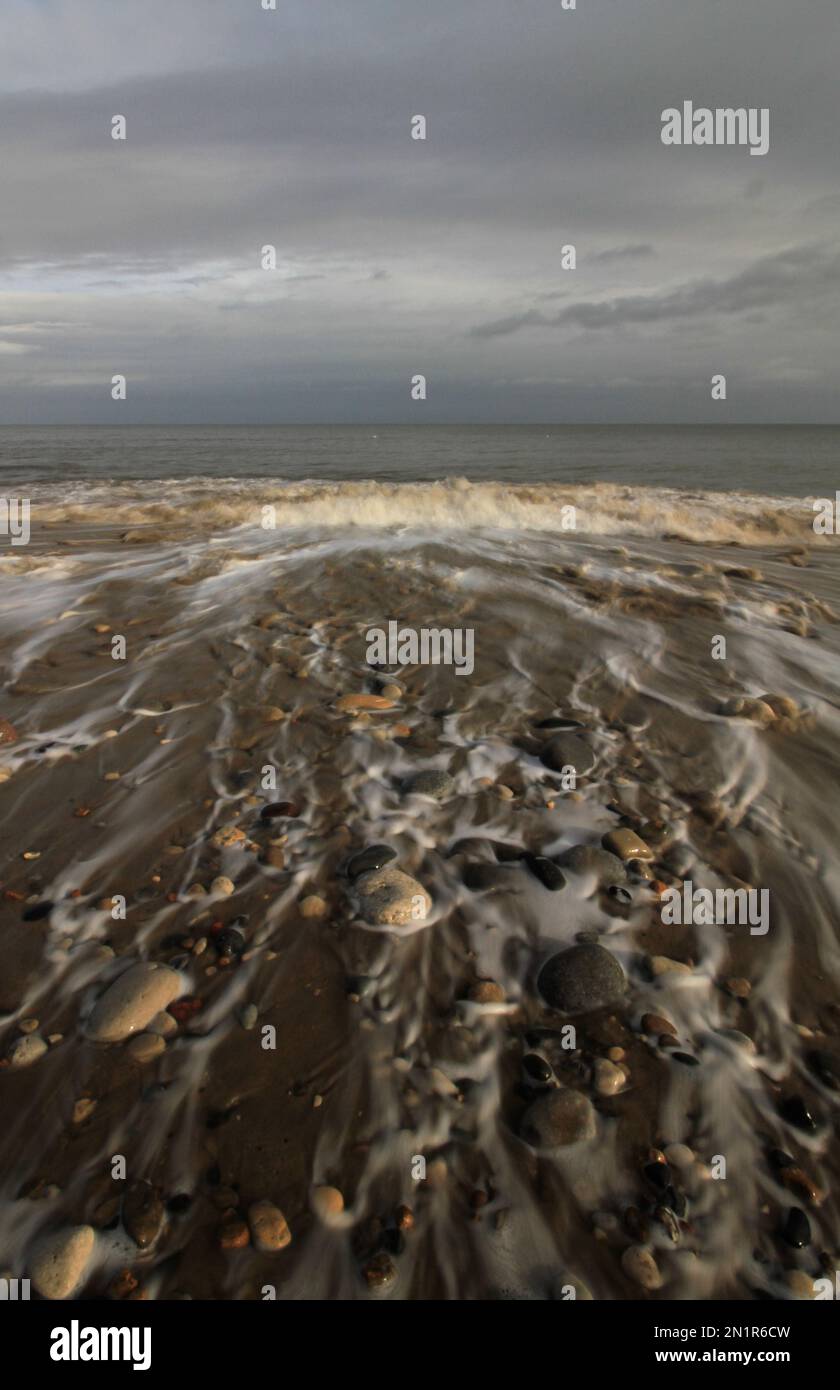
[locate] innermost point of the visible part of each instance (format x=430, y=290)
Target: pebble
x=373, y=857
x=663, y=965
x=657, y=1025
x=592, y=860
x=536, y=1068
x=234, y=1234
x=558, y=1118
x=380, y=1272
x=269, y=1228
x=679, y=1156
x=248, y=1017
x=640, y=1266
x=272, y=714
x=795, y=1111
x=327, y=1203
x=288, y=809
x=626, y=844
x=353, y=702
x=486, y=992
x=59, y=1262
x=567, y=750
x=145, y=1047
x=609, y=1079
x=132, y=1001
x=388, y=897
x=83, y=1109
x=744, y=708
x=438, y=785
x=26, y=1050
x=28, y=1025
x=223, y=885
x=796, y=1230
x=226, y=836
x=580, y=979
x=143, y=1214
x=8, y=732
x=738, y=987
x=312, y=906
x=505, y=793
x=163, y=1023
x=550, y=875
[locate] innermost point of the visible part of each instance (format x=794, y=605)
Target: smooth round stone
x=567, y=750
x=626, y=844
x=374, y=857
x=59, y=1263
x=479, y=877
x=327, y=1203
x=580, y=979
x=597, y=862
x=143, y=1214
x=795, y=1111
x=557, y=1119
x=313, y=906
x=609, y=1079
x=145, y=1047
x=640, y=1266
x=269, y=1228
x=26, y=1050
x=536, y=1068
x=438, y=785
x=132, y=1001
x=550, y=875
x=388, y=897
x=679, y=1156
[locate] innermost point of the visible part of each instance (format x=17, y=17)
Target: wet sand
x=147, y=778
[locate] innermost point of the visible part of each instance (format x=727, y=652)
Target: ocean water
x=794, y=461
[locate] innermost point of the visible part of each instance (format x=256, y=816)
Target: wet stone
x=567, y=750
x=380, y=1272
x=639, y=1265
x=132, y=1001
x=795, y=1111
x=626, y=844
x=486, y=992
x=388, y=897
x=143, y=1214
x=269, y=1227
x=596, y=862
x=479, y=877
x=559, y=1118
x=59, y=1263
x=374, y=857
x=796, y=1230
x=536, y=1068
x=580, y=979
x=438, y=785
x=550, y=875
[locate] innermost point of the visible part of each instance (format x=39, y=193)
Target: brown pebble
x=122, y=1284
x=738, y=987
x=268, y=1226
x=405, y=1218
x=486, y=992
x=327, y=1202
x=233, y=1234
x=655, y=1023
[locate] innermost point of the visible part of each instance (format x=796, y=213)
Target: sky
x=397, y=257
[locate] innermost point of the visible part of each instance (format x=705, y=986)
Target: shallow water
x=380, y=1058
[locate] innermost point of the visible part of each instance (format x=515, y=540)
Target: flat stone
x=143, y=1214
x=640, y=1266
x=269, y=1228
x=599, y=863
x=364, y=702
x=59, y=1262
x=131, y=1002
x=567, y=750
x=373, y=857
x=580, y=979
x=663, y=965
x=626, y=844
x=557, y=1119
x=438, y=785
x=26, y=1050
x=388, y=897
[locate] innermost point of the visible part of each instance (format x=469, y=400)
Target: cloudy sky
x=292, y=127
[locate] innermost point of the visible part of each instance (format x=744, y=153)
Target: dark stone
x=229, y=942
x=478, y=877
x=554, y=722
x=505, y=853
x=537, y=1068
x=686, y=1059
x=374, y=857
x=550, y=875
x=431, y=783
x=38, y=911
x=796, y=1230
x=143, y=1214
x=275, y=809
x=620, y=894
x=591, y=859
x=567, y=750
x=778, y=1159
x=795, y=1111
x=658, y=1175
x=580, y=979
